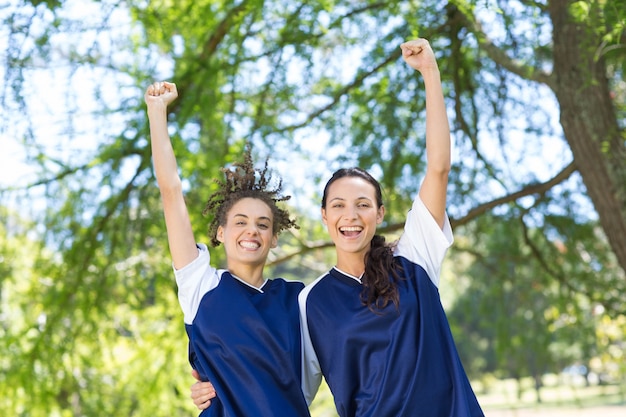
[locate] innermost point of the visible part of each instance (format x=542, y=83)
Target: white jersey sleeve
x=311, y=371
x=423, y=241
x=194, y=281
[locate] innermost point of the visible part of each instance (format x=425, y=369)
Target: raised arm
x=179, y=232
x=419, y=55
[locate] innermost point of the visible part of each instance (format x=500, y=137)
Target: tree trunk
x=589, y=120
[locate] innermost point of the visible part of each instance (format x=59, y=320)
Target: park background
x=534, y=286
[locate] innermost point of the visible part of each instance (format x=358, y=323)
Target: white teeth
x=250, y=245
x=351, y=229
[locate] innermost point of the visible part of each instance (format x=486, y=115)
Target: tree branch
x=340, y=93
x=498, y=55
x=220, y=32
x=540, y=188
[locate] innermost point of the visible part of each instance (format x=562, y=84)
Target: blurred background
x=534, y=286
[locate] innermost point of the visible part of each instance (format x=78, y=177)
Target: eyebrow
x=344, y=199
x=245, y=216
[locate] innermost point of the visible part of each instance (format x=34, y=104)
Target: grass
x=555, y=394
x=498, y=395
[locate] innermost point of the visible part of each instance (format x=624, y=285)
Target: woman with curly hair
x=243, y=329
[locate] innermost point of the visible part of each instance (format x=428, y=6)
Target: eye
x=240, y=223
x=264, y=226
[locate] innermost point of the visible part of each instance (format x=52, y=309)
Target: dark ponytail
x=381, y=271
x=381, y=276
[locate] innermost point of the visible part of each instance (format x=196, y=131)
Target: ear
x=324, y=220
x=220, y=234
x=380, y=215
x=274, y=241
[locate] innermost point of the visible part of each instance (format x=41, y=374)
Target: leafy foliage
x=88, y=315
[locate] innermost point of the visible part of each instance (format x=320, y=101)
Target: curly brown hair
x=245, y=181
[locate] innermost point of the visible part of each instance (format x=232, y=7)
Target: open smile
x=350, y=231
x=249, y=244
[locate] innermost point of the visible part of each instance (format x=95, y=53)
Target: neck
x=251, y=274
x=351, y=263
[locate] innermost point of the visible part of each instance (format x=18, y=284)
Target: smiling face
x=351, y=214
x=248, y=234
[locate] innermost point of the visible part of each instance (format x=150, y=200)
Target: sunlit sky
x=51, y=93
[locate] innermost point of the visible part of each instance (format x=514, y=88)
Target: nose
x=252, y=230
x=350, y=213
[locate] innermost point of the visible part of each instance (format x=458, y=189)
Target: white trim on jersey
x=311, y=372
x=198, y=278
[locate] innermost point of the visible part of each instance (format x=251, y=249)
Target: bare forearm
x=179, y=231
x=420, y=56
x=164, y=160
x=437, y=126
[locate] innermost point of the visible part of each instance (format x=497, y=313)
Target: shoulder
x=287, y=283
x=198, y=268
x=194, y=281
x=304, y=294
x=203, y=259
x=283, y=288
x=420, y=219
x=423, y=241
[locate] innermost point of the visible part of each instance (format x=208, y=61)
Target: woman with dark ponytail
x=374, y=326
x=378, y=288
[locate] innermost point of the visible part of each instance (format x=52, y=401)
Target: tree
x=510, y=317
x=318, y=83
x=582, y=64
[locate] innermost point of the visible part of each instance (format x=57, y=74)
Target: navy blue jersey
x=395, y=362
x=245, y=340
